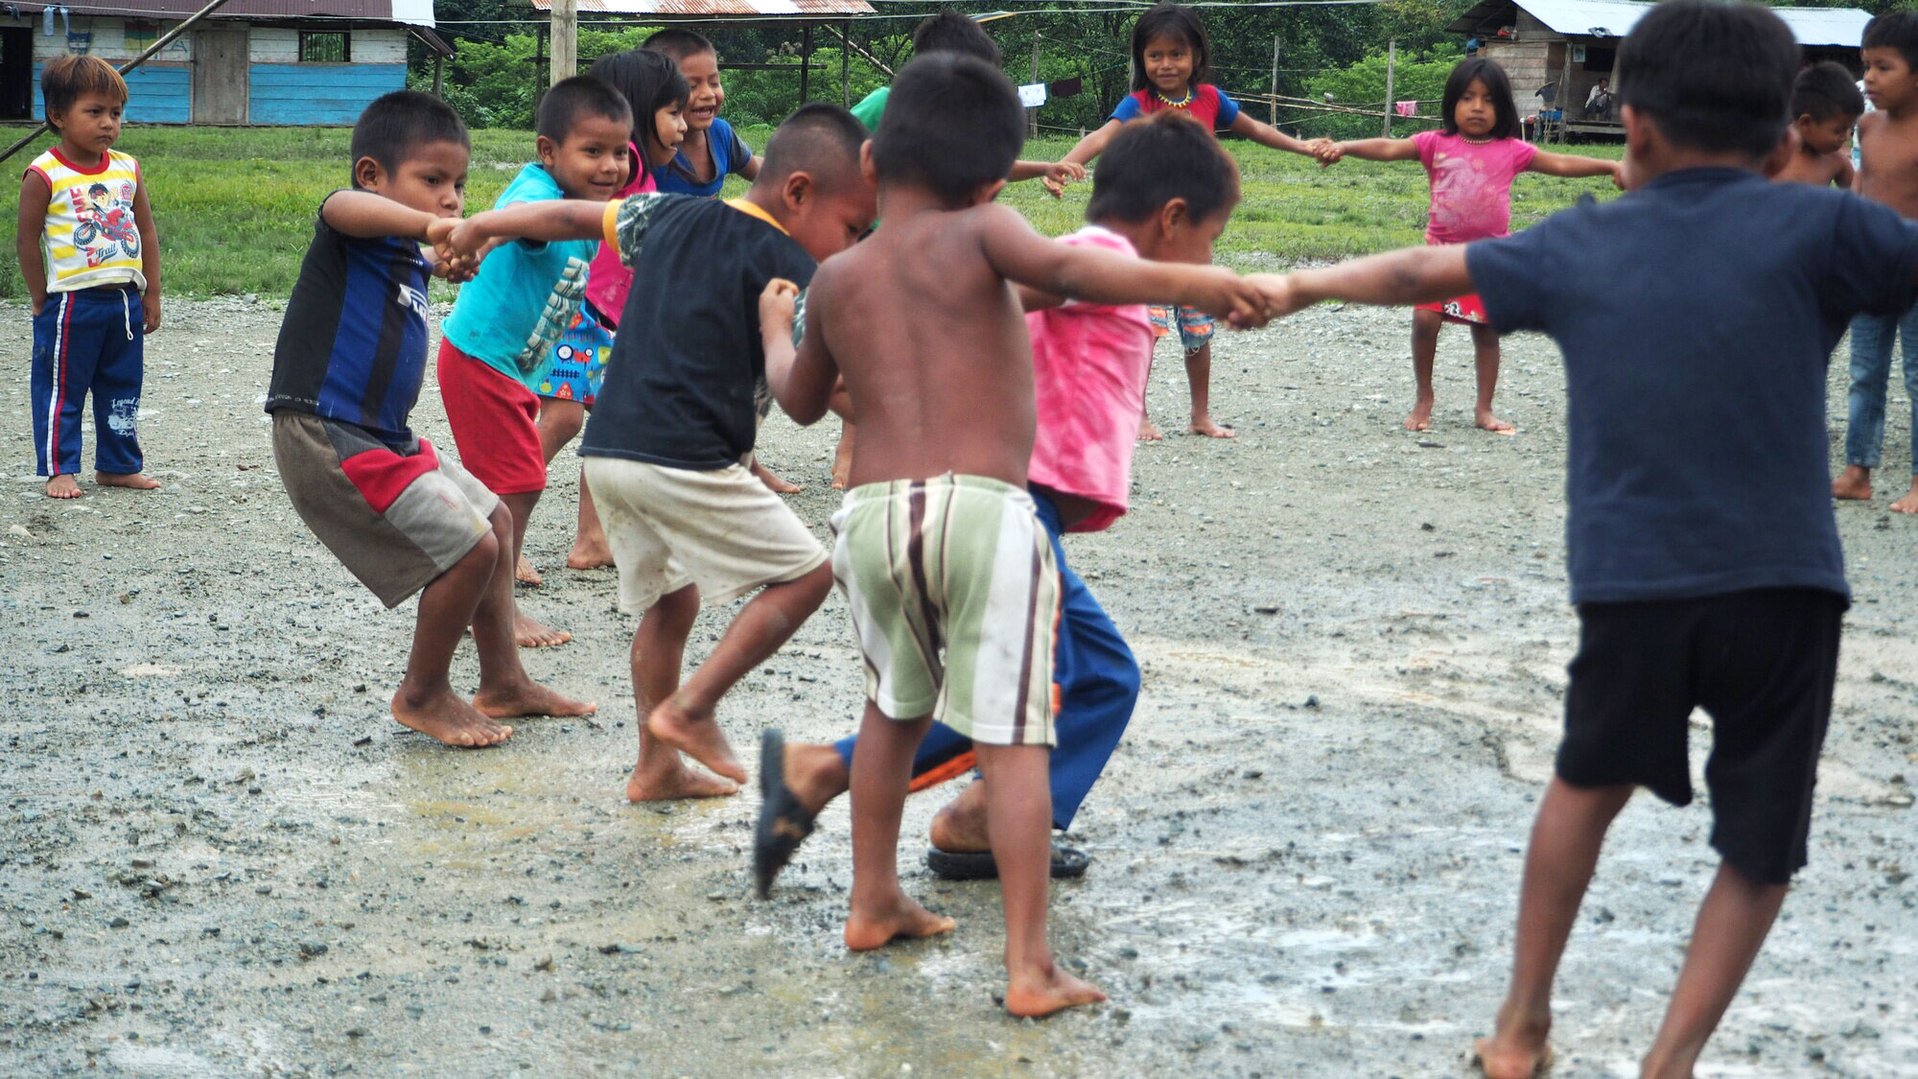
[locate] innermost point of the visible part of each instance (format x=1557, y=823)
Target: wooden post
x=539, y=65
x=845, y=64
x=1032, y=115
x=439, y=75
x=1273, y=116
x=565, y=40
x=805, y=63
x=1391, y=65
x=1564, y=91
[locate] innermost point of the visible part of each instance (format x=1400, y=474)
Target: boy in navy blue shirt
x=1701, y=545
x=346, y=374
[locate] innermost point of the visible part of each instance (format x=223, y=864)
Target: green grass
x=234, y=206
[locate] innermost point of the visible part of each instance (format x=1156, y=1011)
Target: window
x=324, y=47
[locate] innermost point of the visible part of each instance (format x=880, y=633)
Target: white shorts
x=721, y=530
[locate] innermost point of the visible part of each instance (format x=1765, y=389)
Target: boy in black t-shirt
x=1702, y=549
x=667, y=446
x=346, y=374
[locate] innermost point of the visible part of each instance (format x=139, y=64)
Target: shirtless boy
x=1825, y=104
x=958, y=624
x=1887, y=173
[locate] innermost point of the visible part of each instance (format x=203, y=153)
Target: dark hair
x=1147, y=165
x=1713, y=76
x=1894, y=30
x=1484, y=70
x=678, y=43
x=399, y=123
x=1824, y=90
x=953, y=31
x=818, y=139
x=649, y=81
x=1167, y=20
x=951, y=123
x=581, y=95
x=65, y=78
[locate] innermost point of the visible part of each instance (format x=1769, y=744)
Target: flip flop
x=783, y=822
x=1068, y=863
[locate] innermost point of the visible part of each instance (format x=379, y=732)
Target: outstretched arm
x=545, y=221
x=1056, y=174
x=1411, y=275
x=1024, y=257
x=1574, y=165
x=1266, y=135
x=1371, y=150
x=1088, y=148
x=364, y=215
x=803, y=378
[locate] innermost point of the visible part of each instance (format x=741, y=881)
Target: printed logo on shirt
x=408, y=296
x=561, y=305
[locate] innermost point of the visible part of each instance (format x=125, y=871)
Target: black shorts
x=1761, y=663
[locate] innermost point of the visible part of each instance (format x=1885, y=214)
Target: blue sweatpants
x=88, y=341
x=1098, y=684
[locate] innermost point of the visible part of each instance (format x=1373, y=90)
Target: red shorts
x=494, y=420
x=1468, y=309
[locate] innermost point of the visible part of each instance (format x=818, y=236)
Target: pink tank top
x=608, y=279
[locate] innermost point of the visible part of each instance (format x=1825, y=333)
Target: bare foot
x=1488, y=422
x=1149, y=431
x=63, y=486
x=530, y=699
x=1041, y=994
x=696, y=735
x=589, y=554
x=1203, y=425
x=524, y=573
x=530, y=632
x=1517, y=1050
x=446, y=718
x=1853, y=484
x=652, y=783
x=1908, y=503
x=136, y=481
x=1420, y=418
x=773, y=482
x=903, y=919
x=960, y=827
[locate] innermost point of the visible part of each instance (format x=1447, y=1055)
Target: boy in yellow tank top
x=92, y=266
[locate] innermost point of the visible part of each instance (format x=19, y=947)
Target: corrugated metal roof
x=410, y=12
x=721, y=9
x=1615, y=18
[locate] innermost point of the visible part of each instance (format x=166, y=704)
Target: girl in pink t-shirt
x=570, y=381
x=1471, y=164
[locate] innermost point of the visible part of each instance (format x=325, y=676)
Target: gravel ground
x=218, y=855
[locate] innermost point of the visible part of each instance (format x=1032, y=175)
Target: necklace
x=1476, y=142
x=1180, y=104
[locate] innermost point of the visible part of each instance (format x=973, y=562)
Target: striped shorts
x=955, y=597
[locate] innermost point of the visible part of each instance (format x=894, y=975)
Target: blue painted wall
x=155, y=95
x=295, y=94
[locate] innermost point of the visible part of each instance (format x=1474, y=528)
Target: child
x=507, y=319
x=712, y=150
x=570, y=381
x=1827, y=106
x=1701, y=545
x=1171, y=58
x=958, y=626
x=86, y=243
x=675, y=419
x=346, y=373
x=1888, y=173
x=1471, y=164
x=1164, y=191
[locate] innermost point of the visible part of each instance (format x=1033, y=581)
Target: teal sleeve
x=871, y=107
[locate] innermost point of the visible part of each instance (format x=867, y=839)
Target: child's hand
x=1618, y=174
x=1281, y=298
x=1237, y=300
x=776, y=305
x=1059, y=174
x=1328, y=152
x=149, y=311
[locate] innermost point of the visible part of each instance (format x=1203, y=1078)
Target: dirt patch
x=218, y=855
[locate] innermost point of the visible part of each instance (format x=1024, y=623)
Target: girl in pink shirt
x=570, y=381
x=1471, y=164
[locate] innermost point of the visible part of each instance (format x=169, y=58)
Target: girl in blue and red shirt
x=1170, y=60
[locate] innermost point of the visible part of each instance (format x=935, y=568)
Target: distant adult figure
x=1598, y=103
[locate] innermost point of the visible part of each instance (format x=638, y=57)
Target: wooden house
x=1556, y=51
x=280, y=62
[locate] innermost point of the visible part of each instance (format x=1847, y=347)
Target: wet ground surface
x=218, y=855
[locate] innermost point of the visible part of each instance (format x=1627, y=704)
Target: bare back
x=932, y=343
x=1888, y=161
x=1818, y=170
